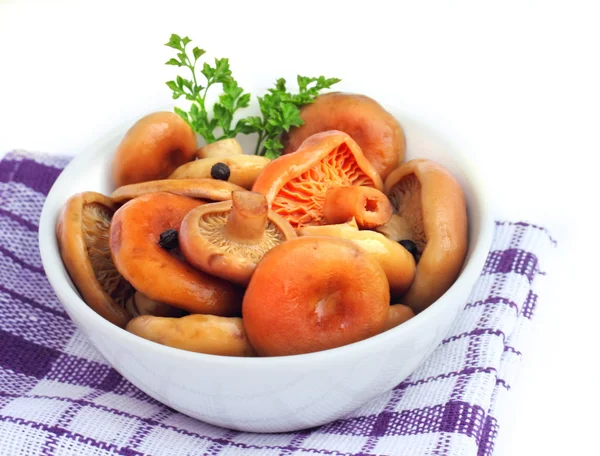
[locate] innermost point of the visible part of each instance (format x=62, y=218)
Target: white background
x=519, y=81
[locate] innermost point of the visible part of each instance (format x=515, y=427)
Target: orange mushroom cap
x=432, y=205
x=296, y=184
x=163, y=275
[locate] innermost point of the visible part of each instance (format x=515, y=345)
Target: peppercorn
x=411, y=247
x=169, y=239
x=220, y=171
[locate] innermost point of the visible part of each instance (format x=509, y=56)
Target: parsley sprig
x=232, y=98
x=280, y=108
x=280, y=111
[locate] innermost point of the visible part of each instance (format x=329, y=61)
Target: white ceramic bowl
x=271, y=394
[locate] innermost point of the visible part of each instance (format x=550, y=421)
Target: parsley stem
x=260, y=139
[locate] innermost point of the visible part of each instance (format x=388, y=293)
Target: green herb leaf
x=272, y=148
x=173, y=62
x=198, y=53
x=222, y=72
x=207, y=71
x=243, y=101
x=281, y=110
x=202, y=119
x=174, y=42
x=182, y=114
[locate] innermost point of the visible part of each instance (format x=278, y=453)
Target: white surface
x=518, y=80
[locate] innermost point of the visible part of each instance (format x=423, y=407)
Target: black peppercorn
x=411, y=247
x=169, y=239
x=220, y=171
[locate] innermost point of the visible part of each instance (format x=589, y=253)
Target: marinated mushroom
x=228, y=239
x=222, y=148
x=82, y=232
x=140, y=304
x=314, y=293
x=204, y=189
x=197, y=333
x=368, y=207
x=398, y=264
x=159, y=272
x=296, y=184
x=396, y=229
x=243, y=169
x=153, y=148
x=377, y=132
x=431, y=201
x=398, y=314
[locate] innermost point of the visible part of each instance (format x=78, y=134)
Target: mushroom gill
x=214, y=227
x=301, y=199
x=95, y=222
x=405, y=197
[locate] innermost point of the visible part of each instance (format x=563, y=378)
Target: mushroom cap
x=153, y=148
x=244, y=168
x=206, y=189
x=208, y=334
x=140, y=304
x=295, y=184
x=159, y=274
x=397, y=263
x=221, y=148
x=376, y=131
x=314, y=293
x=398, y=314
x=432, y=201
x=83, y=231
x=206, y=243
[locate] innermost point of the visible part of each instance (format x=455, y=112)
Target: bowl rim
x=50, y=255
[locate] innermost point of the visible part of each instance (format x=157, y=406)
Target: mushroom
x=368, y=207
x=153, y=148
x=376, y=131
x=314, y=293
x=242, y=169
x=431, y=202
x=296, y=185
x=197, y=333
x=398, y=264
x=205, y=189
x=222, y=148
x=398, y=314
x=396, y=229
x=140, y=304
x=82, y=233
x=153, y=264
x=228, y=239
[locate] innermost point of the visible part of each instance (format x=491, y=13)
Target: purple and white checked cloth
x=58, y=396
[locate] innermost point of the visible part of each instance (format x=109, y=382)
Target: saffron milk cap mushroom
x=221, y=148
x=153, y=148
x=208, y=334
x=160, y=271
x=205, y=189
x=83, y=239
x=296, y=184
x=398, y=264
x=243, y=169
x=432, y=203
x=228, y=239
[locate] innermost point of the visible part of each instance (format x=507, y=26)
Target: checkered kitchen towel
x=58, y=396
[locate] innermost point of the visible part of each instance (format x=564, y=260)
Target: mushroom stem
x=396, y=229
x=369, y=206
x=247, y=220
